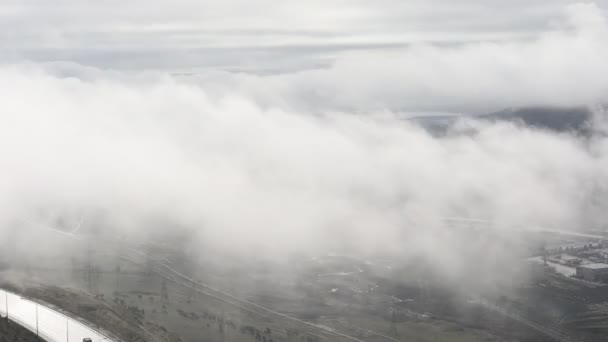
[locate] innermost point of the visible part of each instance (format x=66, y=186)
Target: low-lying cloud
x=313, y=160
x=560, y=66
x=141, y=150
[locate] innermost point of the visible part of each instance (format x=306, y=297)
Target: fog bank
x=149, y=152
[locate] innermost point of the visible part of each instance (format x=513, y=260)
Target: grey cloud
x=559, y=67
x=151, y=148
x=102, y=27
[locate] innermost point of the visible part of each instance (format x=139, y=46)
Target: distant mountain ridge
x=558, y=119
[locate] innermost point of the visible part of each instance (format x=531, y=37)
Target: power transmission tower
x=91, y=272
x=221, y=326
x=191, y=294
x=117, y=276
x=75, y=268
x=393, y=329
x=164, y=295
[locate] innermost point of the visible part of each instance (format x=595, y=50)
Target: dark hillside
x=12, y=332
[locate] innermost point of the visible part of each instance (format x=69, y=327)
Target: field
x=163, y=295
x=11, y=332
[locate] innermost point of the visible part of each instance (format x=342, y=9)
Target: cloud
x=315, y=159
x=193, y=35
x=149, y=153
x=559, y=67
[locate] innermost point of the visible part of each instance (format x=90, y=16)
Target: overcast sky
x=255, y=35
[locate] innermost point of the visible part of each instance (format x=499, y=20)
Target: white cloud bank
x=563, y=66
x=241, y=161
x=150, y=148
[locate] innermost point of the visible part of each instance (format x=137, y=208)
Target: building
x=567, y=260
x=593, y=272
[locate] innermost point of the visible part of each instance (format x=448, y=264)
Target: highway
x=47, y=323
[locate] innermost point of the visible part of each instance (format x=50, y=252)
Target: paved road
x=51, y=325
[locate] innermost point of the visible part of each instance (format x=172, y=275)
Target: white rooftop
x=596, y=266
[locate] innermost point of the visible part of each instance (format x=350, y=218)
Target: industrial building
x=593, y=272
